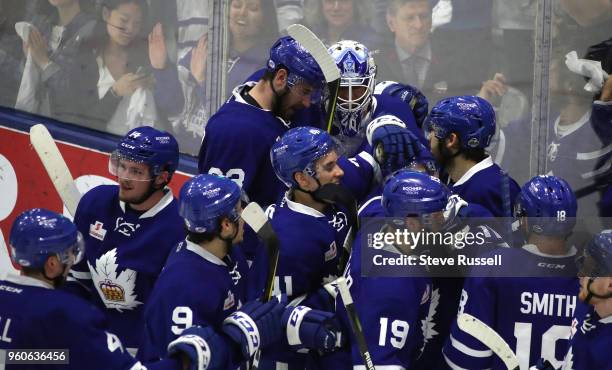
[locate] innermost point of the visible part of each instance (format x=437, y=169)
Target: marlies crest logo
x=339, y=221
x=116, y=290
x=124, y=227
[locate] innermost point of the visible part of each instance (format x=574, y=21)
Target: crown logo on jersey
x=116, y=288
x=112, y=291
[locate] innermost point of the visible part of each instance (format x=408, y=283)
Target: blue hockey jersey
x=484, y=184
x=124, y=254
x=394, y=313
x=590, y=341
x=237, y=142
x=194, y=288
x=532, y=314
x=310, y=246
x=35, y=316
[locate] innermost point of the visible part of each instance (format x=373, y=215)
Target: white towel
x=587, y=68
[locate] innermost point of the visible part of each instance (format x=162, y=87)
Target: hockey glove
x=255, y=325
x=196, y=343
x=311, y=329
x=392, y=143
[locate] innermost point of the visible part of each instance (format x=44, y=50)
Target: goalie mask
x=357, y=72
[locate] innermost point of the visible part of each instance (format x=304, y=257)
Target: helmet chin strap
x=591, y=294
x=228, y=241
x=278, y=98
x=59, y=280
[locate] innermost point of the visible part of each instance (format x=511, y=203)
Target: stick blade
x=56, y=167
x=488, y=337
x=254, y=216
x=317, y=49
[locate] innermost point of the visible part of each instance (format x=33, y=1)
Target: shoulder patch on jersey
x=229, y=301
x=331, y=253
x=97, y=230
x=116, y=291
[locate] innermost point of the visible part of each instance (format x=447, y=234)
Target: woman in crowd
x=335, y=20
x=57, y=39
x=123, y=69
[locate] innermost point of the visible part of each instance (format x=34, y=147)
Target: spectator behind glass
x=416, y=57
x=123, y=71
x=252, y=26
x=57, y=43
x=579, y=147
x=10, y=51
x=335, y=20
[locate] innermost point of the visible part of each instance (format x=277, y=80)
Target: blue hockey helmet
x=145, y=144
x=39, y=233
x=549, y=204
x=596, y=259
x=298, y=150
x=418, y=103
x=357, y=69
x=472, y=118
x=412, y=193
x=204, y=199
x=300, y=64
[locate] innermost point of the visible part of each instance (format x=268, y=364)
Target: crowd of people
x=428, y=137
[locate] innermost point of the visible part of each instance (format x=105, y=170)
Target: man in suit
x=415, y=56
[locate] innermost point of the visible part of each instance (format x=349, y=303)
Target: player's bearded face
x=295, y=98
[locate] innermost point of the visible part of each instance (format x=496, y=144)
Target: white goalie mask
x=358, y=72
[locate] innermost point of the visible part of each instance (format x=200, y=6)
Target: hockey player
x=239, y=136
x=530, y=299
x=394, y=311
x=35, y=315
x=357, y=106
x=211, y=207
x=418, y=103
x=460, y=129
x=592, y=329
x=129, y=229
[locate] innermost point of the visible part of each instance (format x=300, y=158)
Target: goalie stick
x=489, y=338
x=317, y=49
x=347, y=300
x=56, y=167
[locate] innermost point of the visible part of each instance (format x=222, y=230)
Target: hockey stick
x=255, y=217
x=489, y=338
x=56, y=167
x=319, y=52
x=347, y=300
